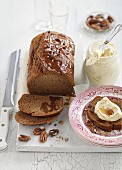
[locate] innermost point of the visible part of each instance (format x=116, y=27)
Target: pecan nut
x=53, y=132
x=43, y=136
x=24, y=138
x=61, y=122
x=38, y=131
x=110, y=19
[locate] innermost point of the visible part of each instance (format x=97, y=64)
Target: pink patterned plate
x=76, y=117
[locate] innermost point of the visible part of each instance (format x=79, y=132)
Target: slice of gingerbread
x=37, y=105
x=27, y=119
x=102, y=124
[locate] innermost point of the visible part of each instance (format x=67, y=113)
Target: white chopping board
x=54, y=144
x=57, y=143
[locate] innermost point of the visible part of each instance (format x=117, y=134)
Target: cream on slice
x=107, y=110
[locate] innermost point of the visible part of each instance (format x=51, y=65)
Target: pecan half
x=24, y=138
x=61, y=122
x=53, y=132
x=110, y=19
x=38, y=131
x=43, y=136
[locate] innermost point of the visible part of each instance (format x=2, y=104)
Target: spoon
x=116, y=30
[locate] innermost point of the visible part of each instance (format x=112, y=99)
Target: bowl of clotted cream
x=102, y=67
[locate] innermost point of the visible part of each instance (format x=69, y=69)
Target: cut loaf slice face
x=27, y=119
x=40, y=105
x=50, y=83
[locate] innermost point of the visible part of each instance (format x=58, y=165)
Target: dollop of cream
x=96, y=53
x=107, y=110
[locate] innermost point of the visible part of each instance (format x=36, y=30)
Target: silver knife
x=8, y=102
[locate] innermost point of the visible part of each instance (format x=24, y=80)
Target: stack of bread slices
x=36, y=109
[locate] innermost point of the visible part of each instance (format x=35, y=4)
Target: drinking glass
x=58, y=11
x=41, y=11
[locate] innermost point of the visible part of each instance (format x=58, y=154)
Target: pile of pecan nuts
x=99, y=22
x=40, y=131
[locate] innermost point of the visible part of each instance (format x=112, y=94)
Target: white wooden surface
x=16, y=19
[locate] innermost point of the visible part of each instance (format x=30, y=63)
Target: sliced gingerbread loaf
x=37, y=105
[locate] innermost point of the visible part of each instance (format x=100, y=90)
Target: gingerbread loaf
x=51, y=65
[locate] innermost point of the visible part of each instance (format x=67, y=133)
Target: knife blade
x=8, y=102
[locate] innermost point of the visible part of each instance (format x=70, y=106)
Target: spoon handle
x=116, y=30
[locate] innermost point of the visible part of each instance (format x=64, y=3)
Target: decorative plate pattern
x=77, y=123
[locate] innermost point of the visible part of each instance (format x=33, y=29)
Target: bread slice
x=40, y=105
x=27, y=119
x=102, y=124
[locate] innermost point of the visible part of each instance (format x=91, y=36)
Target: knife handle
x=4, y=124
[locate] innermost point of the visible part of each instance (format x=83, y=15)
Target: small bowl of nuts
x=99, y=21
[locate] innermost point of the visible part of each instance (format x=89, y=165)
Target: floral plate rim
x=80, y=128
